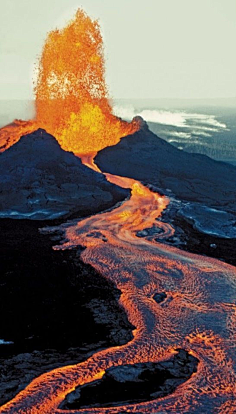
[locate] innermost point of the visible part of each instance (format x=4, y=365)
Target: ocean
x=207, y=127
x=204, y=127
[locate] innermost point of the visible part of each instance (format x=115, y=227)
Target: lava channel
x=197, y=315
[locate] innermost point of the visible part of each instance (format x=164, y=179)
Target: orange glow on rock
x=11, y=133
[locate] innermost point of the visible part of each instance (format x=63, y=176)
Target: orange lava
x=11, y=133
x=198, y=314
x=71, y=94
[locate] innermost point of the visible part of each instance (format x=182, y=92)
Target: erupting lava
x=71, y=94
x=198, y=313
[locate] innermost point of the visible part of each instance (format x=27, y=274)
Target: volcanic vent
x=71, y=94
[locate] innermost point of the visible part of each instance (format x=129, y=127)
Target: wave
x=179, y=119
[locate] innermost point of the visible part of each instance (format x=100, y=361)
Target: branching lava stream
x=198, y=314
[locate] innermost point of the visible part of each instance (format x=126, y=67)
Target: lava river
x=198, y=314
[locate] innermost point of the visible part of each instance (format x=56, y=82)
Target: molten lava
x=198, y=314
x=71, y=93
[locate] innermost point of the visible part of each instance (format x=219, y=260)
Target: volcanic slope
x=39, y=180
x=191, y=177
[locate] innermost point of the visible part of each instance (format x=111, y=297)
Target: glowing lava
x=198, y=314
x=71, y=94
x=199, y=311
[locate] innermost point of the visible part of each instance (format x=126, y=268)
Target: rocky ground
x=202, y=188
x=58, y=311
x=50, y=306
x=188, y=237
x=39, y=180
x=190, y=177
x=134, y=383
x=55, y=310
x=194, y=241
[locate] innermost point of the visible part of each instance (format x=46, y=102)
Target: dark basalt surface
x=192, y=177
x=160, y=297
x=194, y=241
x=39, y=181
x=127, y=384
x=188, y=238
x=47, y=307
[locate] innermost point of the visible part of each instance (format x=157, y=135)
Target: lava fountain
x=71, y=94
x=199, y=312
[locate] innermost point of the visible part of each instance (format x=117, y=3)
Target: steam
x=200, y=124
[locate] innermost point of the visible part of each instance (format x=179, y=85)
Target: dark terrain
x=50, y=301
x=126, y=384
x=190, y=177
x=194, y=241
x=45, y=299
x=190, y=239
x=39, y=180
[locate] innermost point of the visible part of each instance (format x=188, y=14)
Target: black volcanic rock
x=127, y=384
x=56, y=310
x=192, y=177
x=40, y=180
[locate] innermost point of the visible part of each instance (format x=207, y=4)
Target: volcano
x=174, y=353
x=191, y=177
x=39, y=180
x=71, y=95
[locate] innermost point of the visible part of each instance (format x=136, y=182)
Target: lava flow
x=198, y=314
x=71, y=94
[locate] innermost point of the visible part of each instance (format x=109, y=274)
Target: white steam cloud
x=198, y=124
